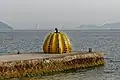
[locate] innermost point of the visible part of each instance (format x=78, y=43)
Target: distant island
x=5, y=27
x=108, y=26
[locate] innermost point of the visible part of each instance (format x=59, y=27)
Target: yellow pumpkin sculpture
x=57, y=42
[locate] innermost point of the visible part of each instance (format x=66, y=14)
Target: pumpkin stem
x=56, y=30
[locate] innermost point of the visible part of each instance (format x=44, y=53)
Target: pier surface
x=13, y=65
x=31, y=55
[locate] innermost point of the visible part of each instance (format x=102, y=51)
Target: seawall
x=30, y=64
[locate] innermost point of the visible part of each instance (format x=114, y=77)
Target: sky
x=48, y=14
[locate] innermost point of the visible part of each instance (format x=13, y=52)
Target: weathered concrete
x=27, y=64
x=33, y=55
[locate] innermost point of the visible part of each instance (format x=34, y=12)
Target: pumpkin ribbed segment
x=57, y=43
x=47, y=40
x=68, y=42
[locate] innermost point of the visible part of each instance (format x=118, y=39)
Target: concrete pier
x=39, y=63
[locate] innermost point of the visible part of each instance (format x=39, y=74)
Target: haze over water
x=64, y=14
x=48, y=14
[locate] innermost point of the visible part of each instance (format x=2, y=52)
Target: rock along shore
x=38, y=63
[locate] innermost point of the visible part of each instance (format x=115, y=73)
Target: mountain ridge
x=104, y=26
x=4, y=26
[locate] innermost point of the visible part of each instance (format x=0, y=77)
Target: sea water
x=99, y=40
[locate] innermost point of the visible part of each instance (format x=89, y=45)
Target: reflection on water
x=106, y=41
